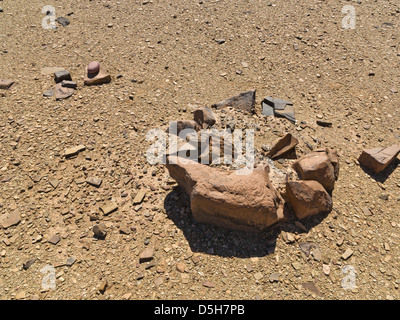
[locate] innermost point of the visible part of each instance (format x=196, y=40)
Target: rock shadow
x=384, y=175
x=226, y=243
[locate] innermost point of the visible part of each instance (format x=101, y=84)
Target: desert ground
x=165, y=58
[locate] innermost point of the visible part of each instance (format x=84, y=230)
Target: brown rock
x=175, y=127
x=6, y=84
x=146, y=255
x=308, y=198
x=100, y=230
x=54, y=239
x=379, y=159
x=109, y=208
x=283, y=146
x=99, y=77
x=204, y=117
x=317, y=166
x=243, y=101
x=94, y=181
x=11, y=220
x=224, y=198
x=181, y=267
x=74, y=150
x=63, y=92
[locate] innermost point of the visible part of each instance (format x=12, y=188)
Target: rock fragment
x=100, y=230
x=308, y=198
x=6, y=84
x=109, y=208
x=10, y=220
x=54, y=239
x=62, y=93
x=204, y=117
x=61, y=75
x=379, y=159
x=243, y=101
x=74, y=150
x=146, y=255
x=283, y=146
x=139, y=197
x=63, y=21
x=347, y=254
x=94, y=181
x=317, y=166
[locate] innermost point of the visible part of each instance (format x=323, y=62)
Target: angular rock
x=74, y=150
x=283, y=146
x=62, y=75
x=54, y=239
x=109, y=208
x=308, y=198
x=175, y=127
x=278, y=107
x=49, y=93
x=94, y=181
x=243, y=101
x=319, y=167
x=5, y=84
x=204, y=117
x=63, y=21
x=11, y=220
x=69, y=84
x=139, y=197
x=379, y=159
x=62, y=93
x=100, y=77
x=246, y=202
x=146, y=255
x=26, y=265
x=100, y=230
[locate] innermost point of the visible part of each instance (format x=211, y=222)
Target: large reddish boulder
x=321, y=166
x=308, y=198
x=246, y=202
x=379, y=159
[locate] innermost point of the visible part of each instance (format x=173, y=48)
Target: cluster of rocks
x=253, y=200
x=65, y=87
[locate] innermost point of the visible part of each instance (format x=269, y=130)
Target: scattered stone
x=283, y=147
x=94, y=181
x=326, y=269
x=220, y=41
x=258, y=276
x=12, y=219
x=61, y=75
x=97, y=78
x=20, y=296
x=347, y=254
x=62, y=93
x=208, y=284
x=379, y=159
x=139, y=197
x=69, y=84
x=146, y=255
x=100, y=230
x=278, y=107
x=26, y=265
x=6, y=84
x=274, y=277
x=224, y=198
x=317, y=166
x=310, y=286
x=308, y=198
x=324, y=123
x=70, y=261
x=103, y=286
x=74, y=150
x=204, y=117
x=54, y=239
x=49, y=93
x=181, y=267
x=63, y=21
x=296, y=265
x=243, y=101
x=175, y=127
